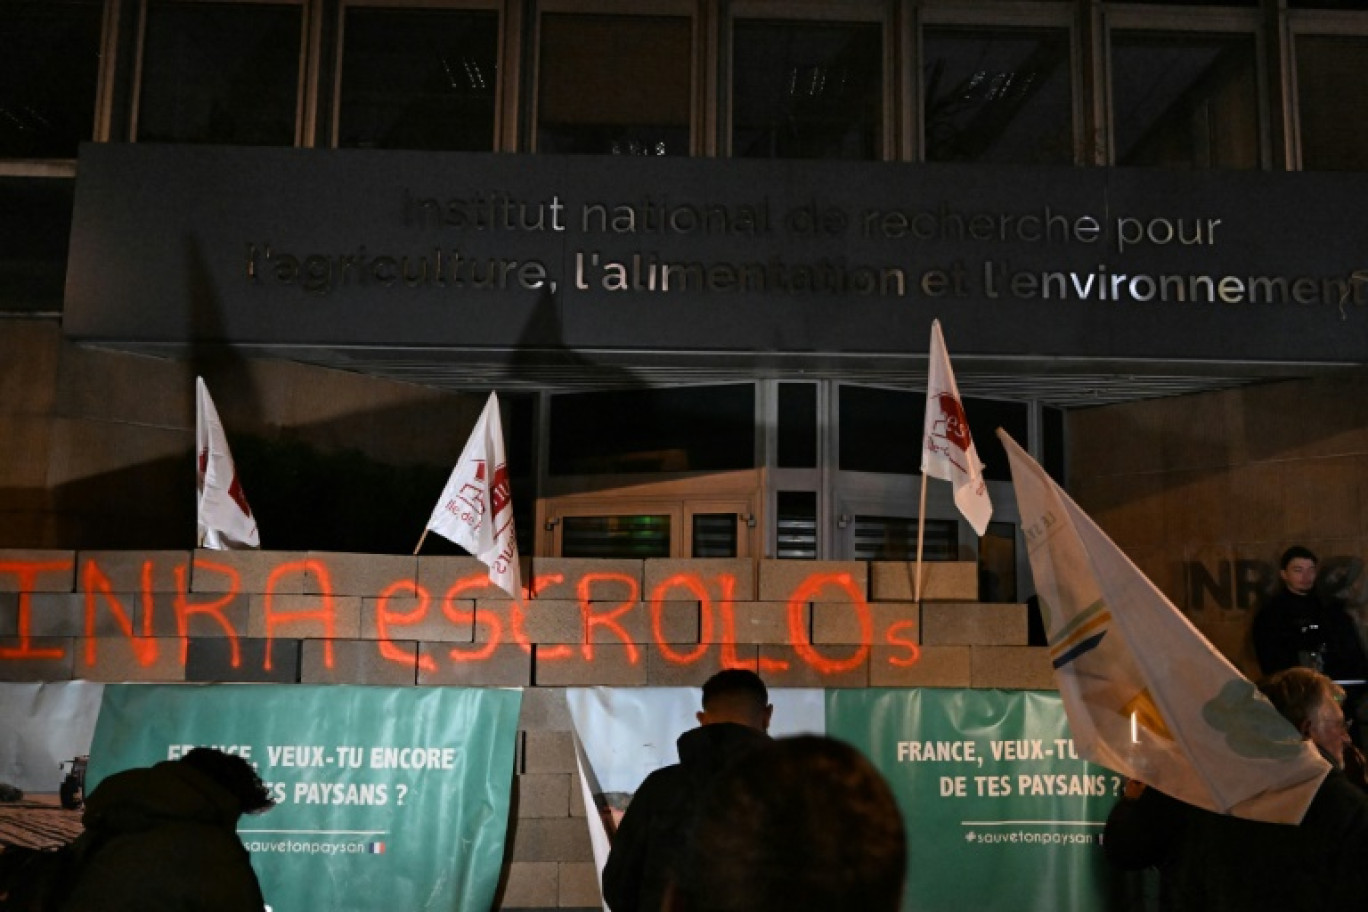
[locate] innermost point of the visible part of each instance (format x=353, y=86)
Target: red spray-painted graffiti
x=605, y=599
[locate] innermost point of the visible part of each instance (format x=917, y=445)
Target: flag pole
x=921, y=526
x=422, y=538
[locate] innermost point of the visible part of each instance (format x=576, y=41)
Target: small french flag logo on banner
x=375, y=848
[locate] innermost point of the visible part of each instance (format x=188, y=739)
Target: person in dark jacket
x=1295, y=627
x=803, y=824
x=656, y=826
x=164, y=838
x=1221, y=863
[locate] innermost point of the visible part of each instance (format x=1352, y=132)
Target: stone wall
x=1204, y=492
x=333, y=618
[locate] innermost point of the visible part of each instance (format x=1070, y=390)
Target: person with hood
x=164, y=838
x=655, y=829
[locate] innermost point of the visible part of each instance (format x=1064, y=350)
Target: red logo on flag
x=953, y=426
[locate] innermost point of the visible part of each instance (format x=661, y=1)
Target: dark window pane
x=1001, y=96
x=1331, y=72
x=1052, y=430
x=807, y=90
x=701, y=428
x=35, y=229
x=985, y=417
x=614, y=85
x=795, y=525
x=1330, y=4
x=797, y=431
x=894, y=538
x=49, y=72
x=997, y=563
x=714, y=535
x=419, y=79
x=220, y=73
x=616, y=536
x=1185, y=100
x=880, y=430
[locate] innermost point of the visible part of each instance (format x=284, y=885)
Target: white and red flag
x=948, y=451
x=225, y=519
x=1145, y=693
x=476, y=507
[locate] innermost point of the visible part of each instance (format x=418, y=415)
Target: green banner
x=389, y=798
x=1000, y=812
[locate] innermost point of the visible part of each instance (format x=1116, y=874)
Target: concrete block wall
x=309, y=617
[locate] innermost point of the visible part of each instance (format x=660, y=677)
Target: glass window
x=1052, y=444
x=616, y=536
x=35, y=230
x=997, y=563
x=691, y=428
x=880, y=429
x=807, y=90
x=220, y=73
x=985, y=417
x=1331, y=73
x=1185, y=100
x=418, y=79
x=49, y=73
x=616, y=85
x=1001, y=96
x=714, y=535
x=894, y=538
x=797, y=431
x=795, y=525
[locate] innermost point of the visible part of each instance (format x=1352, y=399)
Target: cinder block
x=591, y=666
x=37, y=570
x=214, y=659
x=37, y=658
x=359, y=662
x=444, y=576
x=759, y=622
x=535, y=621
x=544, y=709
x=410, y=618
x=136, y=571
x=548, y=752
x=544, y=795
x=279, y=572
x=588, y=579
x=842, y=666
x=59, y=614
x=930, y=666
x=579, y=885
x=338, y=617
x=531, y=885
x=813, y=581
x=679, y=621
x=134, y=660
x=973, y=624
x=941, y=580
x=577, y=799
x=1012, y=667
x=552, y=839
x=207, y=614
x=720, y=577
x=835, y=622
x=359, y=574
x=481, y=665
x=675, y=666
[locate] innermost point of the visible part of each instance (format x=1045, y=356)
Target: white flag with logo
x=225, y=519
x=948, y=451
x=476, y=507
x=1145, y=693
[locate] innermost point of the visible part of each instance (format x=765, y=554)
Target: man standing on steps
x=655, y=829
